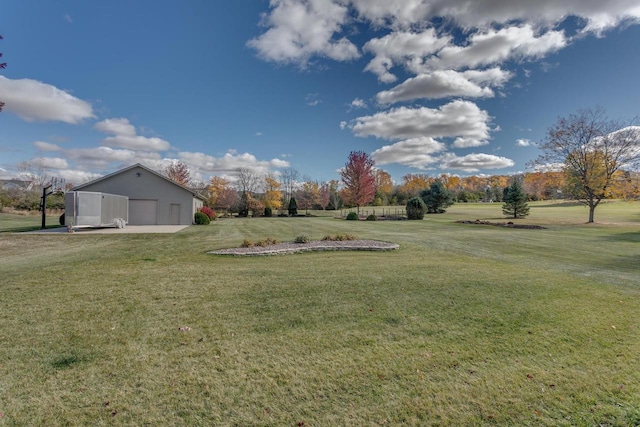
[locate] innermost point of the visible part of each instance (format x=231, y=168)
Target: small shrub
x=415, y=208
x=61, y=219
x=271, y=241
x=201, y=219
x=268, y=212
x=208, y=212
x=352, y=216
x=372, y=218
x=339, y=237
x=246, y=243
x=302, y=238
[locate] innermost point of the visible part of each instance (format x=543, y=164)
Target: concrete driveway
x=129, y=229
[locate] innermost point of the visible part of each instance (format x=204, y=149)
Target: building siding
x=138, y=183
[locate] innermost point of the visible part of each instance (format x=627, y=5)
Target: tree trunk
x=592, y=209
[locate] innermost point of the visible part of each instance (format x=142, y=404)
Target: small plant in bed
x=339, y=237
x=302, y=238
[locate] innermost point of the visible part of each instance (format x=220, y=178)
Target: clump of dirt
x=504, y=224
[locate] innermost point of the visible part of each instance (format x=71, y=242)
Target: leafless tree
x=289, y=178
x=248, y=180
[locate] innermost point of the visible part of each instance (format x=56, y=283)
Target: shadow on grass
x=67, y=360
x=23, y=229
x=633, y=237
x=561, y=205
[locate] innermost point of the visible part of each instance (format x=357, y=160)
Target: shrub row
x=246, y=243
x=339, y=237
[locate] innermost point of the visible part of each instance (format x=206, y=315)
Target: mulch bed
x=504, y=224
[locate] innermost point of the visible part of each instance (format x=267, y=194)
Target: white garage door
x=143, y=212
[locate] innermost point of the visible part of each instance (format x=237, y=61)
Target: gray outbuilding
x=153, y=198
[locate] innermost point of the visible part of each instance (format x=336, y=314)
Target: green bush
x=201, y=218
x=372, y=218
x=268, y=212
x=352, y=216
x=303, y=238
x=416, y=208
x=293, y=207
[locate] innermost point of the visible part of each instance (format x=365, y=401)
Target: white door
x=175, y=214
x=143, y=212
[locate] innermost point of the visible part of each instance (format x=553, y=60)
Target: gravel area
x=318, y=245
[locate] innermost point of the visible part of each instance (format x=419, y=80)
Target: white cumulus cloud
x=417, y=153
x=523, y=143
x=125, y=136
x=229, y=162
x=49, y=163
x=46, y=146
x=462, y=120
x=474, y=162
x=298, y=30
x=446, y=84
x=32, y=100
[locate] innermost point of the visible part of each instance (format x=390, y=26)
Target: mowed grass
x=464, y=325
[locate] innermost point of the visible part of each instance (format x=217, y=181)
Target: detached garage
x=153, y=198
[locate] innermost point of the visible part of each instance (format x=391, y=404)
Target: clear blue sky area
x=423, y=86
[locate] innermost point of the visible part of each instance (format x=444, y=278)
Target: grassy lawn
x=464, y=325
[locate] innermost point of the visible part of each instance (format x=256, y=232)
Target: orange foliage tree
x=359, y=179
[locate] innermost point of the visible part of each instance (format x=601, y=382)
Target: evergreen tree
x=243, y=205
x=293, y=207
x=515, y=201
x=437, y=198
x=415, y=208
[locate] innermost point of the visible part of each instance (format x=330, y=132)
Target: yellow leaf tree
x=272, y=194
x=592, y=148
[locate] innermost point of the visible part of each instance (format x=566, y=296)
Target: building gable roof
x=137, y=165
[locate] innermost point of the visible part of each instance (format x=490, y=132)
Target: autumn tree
x=543, y=185
x=272, y=192
x=592, y=148
x=384, y=187
x=179, y=173
x=359, y=179
x=325, y=195
x=515, y=201
x=335, y=200
x=308, y=195
x=222, y=196
x=413, y=183
x=450, y=182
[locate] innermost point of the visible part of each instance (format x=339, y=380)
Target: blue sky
x=424, y=86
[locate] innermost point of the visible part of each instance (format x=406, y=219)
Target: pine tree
x=515, y=201
x=437, y=198
x=293, y=207
x=415, y=208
